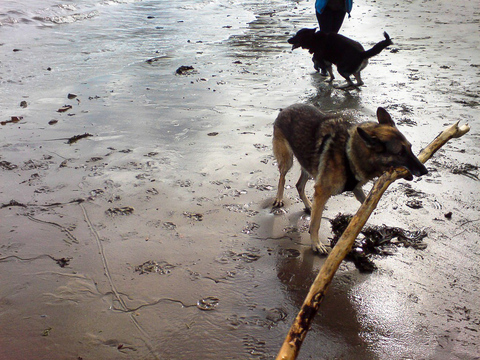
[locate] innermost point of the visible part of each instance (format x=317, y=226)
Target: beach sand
x=163, y=215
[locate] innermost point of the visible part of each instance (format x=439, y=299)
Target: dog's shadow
x=290, y=224
x=297, y=266
x=285, y=222
x=327, y=97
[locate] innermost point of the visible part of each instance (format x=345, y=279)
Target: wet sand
x=179, y=172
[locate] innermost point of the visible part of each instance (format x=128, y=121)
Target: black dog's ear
x=372, y=142
x=384, y=117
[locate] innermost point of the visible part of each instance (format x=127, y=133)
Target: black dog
x=329, y=48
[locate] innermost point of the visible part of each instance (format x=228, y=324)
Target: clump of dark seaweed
x=376, y=241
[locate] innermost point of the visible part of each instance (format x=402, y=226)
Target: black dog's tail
x=377, y=48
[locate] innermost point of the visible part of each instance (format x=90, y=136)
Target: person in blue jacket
x=330, y=14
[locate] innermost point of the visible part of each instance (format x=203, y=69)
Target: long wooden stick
x=298, y=331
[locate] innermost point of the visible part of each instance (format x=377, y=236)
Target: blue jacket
x=320, y=5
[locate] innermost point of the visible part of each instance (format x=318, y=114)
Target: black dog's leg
x=330, y=72
x=358, y=78
x=349, y=84
x=316, y=64
x=320, y=64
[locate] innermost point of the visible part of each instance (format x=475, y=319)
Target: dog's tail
x=377, y=48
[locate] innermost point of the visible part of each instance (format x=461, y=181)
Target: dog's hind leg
x=330, y=72
x=284, y=155
x=304, y=176
x=358, y=78
x=346, y=75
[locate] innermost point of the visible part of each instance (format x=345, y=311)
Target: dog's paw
x=321, y=249
x=278, y=203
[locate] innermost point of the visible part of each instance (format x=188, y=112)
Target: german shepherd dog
x=338, y=153
x=329, y=48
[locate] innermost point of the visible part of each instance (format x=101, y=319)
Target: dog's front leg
x=316, y=64
x=319, y=200
x=359, y=194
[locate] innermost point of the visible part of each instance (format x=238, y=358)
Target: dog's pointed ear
x=384, y=117
x=370, y=141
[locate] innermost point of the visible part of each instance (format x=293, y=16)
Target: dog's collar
x=352, y=181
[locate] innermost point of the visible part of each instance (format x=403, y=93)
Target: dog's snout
x=414, y=166
x=422, y=171
x=418, y=169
